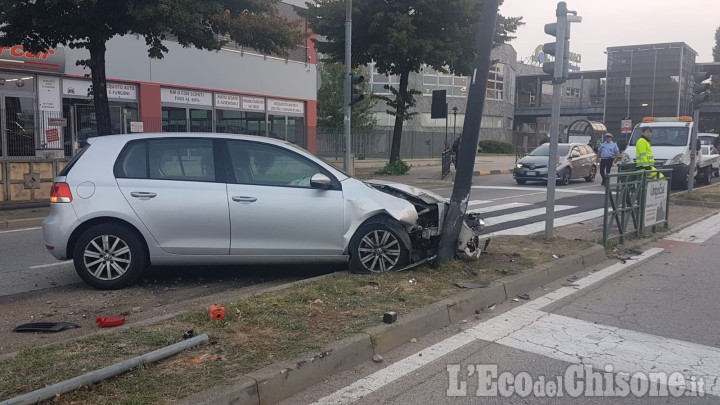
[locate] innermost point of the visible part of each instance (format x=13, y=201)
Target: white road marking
x=24, y=229
x=515, y=216
x=540, y=226
x=493, y=329
x=40, y=266
x=557, y=189
x=477, y=202
x=699, y=232
x=493, y=208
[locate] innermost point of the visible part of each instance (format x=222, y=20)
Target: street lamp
x=454, y=110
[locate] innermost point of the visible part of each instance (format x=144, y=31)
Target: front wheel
x=567, y=175
x=378, y=248
x=520, y=181
x=109, y=256
x=591, y=177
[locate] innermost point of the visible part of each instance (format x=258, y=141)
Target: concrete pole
x=348, y=73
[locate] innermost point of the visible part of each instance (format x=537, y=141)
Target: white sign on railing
x=655, y=201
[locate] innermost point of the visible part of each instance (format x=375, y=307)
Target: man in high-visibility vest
x=644, y=159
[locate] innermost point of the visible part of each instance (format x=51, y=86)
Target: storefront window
x=19, y=125
x=174, y=119
x=296, y=131
x=200, y=120
x=276, y=126
x=240, y=122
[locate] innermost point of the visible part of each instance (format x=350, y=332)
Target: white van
x=671, y=149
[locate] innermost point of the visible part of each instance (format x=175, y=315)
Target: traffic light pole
x=348, y=73
x=555, y=117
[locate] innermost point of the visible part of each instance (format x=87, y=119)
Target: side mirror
x=321, y=181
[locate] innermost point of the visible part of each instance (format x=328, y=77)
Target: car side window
x=585, y=150
x=575, y=150
x=182, y=159
x=267, y=165
x=132, y=162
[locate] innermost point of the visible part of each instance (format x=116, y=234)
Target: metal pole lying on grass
x=104, y=373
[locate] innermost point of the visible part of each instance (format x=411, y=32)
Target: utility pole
x=559, y=71
x=348, y=78
x=471, y=131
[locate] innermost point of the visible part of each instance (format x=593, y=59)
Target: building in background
x=46, y=104
x=648, y=80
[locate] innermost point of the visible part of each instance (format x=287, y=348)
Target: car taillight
x=60, y=193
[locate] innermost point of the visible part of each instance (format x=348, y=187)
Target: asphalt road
x=656, y=315
x=507, y=207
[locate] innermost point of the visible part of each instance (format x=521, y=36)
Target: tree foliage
x=331, y=100
x=401, y=36
x=39, y=25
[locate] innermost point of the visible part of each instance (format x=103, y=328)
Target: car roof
x=209, y=135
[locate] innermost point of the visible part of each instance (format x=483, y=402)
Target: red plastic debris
x=110, y=321
x=216, y=312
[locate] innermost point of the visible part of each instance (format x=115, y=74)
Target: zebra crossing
x=518, y=218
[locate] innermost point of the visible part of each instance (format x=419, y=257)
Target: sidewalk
x=426, y=173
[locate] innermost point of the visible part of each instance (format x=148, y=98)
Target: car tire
x=377, y=248
x=591, y=177
x=520, y=181
x=567, y=175
x=109, y=256
x=707, y=173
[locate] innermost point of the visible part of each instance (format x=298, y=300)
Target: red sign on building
x=52, y=135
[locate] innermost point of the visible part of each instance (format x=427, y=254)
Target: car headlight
x=676, y=160
x=519, y=166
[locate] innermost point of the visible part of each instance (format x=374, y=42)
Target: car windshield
x=544, y=150
x=707, y=140
x=664, y=136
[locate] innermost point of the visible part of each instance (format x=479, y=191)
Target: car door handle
x=244, y=199
x=143, y=195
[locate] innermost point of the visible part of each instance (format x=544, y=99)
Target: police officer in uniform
x=608, y=151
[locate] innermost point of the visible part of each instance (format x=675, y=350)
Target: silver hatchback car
x=129, y=201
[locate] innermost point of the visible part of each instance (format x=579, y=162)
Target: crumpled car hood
x=426, y=196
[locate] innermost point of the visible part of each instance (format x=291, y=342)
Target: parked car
x=574, y=161
x=711, y=152
x=129, y=201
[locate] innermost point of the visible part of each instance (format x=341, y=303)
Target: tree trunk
x=99, y=82
x=400, y=110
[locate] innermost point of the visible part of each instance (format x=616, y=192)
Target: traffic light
x=701, y=92
x=356, y=94
x=560, y=49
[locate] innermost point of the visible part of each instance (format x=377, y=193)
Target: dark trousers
x=605, y=167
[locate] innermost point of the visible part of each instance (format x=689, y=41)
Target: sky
x=607, y=23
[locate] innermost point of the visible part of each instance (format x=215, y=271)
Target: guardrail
x=640, y=196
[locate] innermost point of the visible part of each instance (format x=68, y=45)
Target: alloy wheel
x=379, y=251
x=107, y=257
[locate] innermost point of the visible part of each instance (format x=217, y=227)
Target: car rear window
x=66, y=170
x=132, y=162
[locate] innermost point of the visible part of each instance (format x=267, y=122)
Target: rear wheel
x=109, y=256
x=378, y=248
x=591, y=177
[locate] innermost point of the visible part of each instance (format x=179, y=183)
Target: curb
x=691, y=203
x=13, y=224
x=279, y=381
x=489, y=172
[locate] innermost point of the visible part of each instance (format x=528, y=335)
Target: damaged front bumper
x=431, y=209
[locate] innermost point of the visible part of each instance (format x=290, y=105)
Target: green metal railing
x=626, y=201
